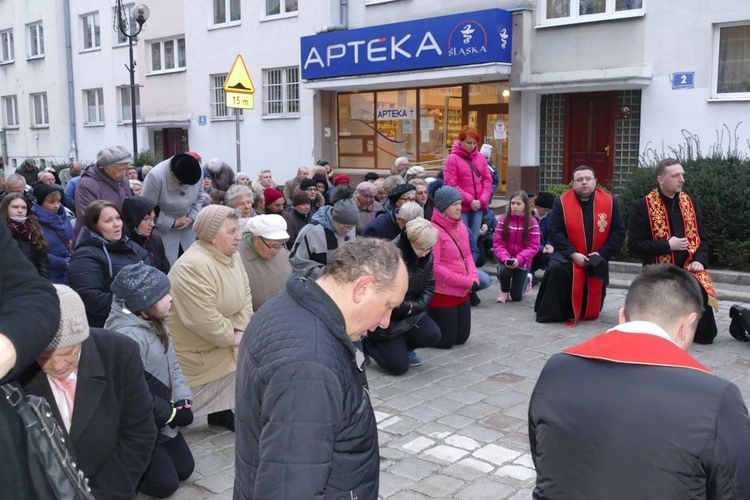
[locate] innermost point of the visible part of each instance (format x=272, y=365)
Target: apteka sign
x=470, y=38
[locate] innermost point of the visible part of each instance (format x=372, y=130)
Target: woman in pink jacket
x=517, y=240
x=455, y=273
x=466, y=170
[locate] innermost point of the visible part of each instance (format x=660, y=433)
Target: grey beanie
x=140, y=286
x=345, y=212
x=115, y=155
x=446, y=196
x=73, y=328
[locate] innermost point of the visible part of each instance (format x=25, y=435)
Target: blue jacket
x=305, y=427
x=383, y=226
x=59, y=234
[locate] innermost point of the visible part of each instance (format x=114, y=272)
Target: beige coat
x=267, y=276
x=210, y=299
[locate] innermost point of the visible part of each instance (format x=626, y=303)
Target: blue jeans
x=473, y=220
x=485, y=280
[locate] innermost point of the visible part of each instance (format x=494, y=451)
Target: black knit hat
x=545, y=199
x=399, y=191
x=307, y=183
x=41, y=191
x=186, y=168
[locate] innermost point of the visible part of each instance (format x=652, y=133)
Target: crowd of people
x=186, y=289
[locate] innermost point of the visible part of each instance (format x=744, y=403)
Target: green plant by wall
x=145, y=157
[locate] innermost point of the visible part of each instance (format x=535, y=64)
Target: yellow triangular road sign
x=239, y=80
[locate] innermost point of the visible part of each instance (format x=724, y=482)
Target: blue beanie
x=446, y=196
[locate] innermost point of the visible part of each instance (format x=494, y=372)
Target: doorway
x=491, y=121
x=590, y=135
x=169, y=142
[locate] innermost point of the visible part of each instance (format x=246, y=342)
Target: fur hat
x=209, y=220
x=300, y=198
x=272, y=194
x=545, y=199
x=140, y=286
x=399, y=191
x=307, y=183
x=115, y=155
x=446, y=196
x=371, y=176
x=186, y=168
x=73, y=328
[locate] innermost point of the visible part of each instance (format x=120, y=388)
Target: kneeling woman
x=140, y=305
x=410, y=327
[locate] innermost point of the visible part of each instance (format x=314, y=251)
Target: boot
x=474, y=299
x=222, y=419
x=739, y=328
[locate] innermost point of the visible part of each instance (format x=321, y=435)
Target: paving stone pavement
x=455, y=427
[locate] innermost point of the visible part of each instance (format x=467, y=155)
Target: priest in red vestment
x=630, y=414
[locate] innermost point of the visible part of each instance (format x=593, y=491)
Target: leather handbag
x=51, y=467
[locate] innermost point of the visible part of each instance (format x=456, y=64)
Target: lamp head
x=140, y=13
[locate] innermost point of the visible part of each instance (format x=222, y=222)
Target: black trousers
x=171, y=462
x=454, y=323
x=553, y=302
x=706, y=330
x=392, y=355
x=512, y=280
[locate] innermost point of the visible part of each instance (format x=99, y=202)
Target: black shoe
x=474, y=299
x=739, y=328
x=222, y=419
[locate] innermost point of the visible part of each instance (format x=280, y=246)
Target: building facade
x=551, y=84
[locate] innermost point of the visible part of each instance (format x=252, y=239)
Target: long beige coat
x=210, y=299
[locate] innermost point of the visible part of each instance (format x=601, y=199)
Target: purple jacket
x=459, y=174
x=96, y=185
x=454, y=269
x=514, y=247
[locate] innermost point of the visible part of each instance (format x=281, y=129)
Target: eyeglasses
x=584, y=179
x=273, y=248
x=407, y=197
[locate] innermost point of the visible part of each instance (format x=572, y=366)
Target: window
x=274, y=7
x=94, y=100
x=578, y=11
x=90, y=25
x=168, y=55
x=219, y=108
x=733, y=61
x=10, y=111
x=226, y=11
x=39, y=113
x=281, y=92
x=130, y=23
x=126, y=112
x=6, y=46
x=36, y=40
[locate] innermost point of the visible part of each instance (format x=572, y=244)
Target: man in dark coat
x=586, y=230
x=387, y=225
x=24, y=333
x=665, y=228
x=630, y=414
x=305, y=427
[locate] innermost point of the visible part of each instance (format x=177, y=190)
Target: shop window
x=39, y=112
x=579, y=11
x=396, y=126
x=732, y=66
x=6, y=46
x=36, y=40
x=126, y=112
x=94, y=99
x=357, y=130
x=439, y=123
x=281, y=92
x=10, y=111
x=91, y=31
x=226, y=11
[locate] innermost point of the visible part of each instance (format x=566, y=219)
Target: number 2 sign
x=685, y=80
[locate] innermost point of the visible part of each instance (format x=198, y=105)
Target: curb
x=718, y=275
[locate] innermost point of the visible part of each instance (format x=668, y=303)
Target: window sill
x=166, y=72
x=10, y=61
x=591, y=18
x=226, y=118
x=280, y=117
x=735, y=98
x=39, y=127
x=128, y=123
x=92, y=49
x=11, y=127
x=221, y=26
x=378, y=2
x=94, y=125
x=275, y=17
x=34, y=58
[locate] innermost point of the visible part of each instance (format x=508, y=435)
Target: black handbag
x=53, y=472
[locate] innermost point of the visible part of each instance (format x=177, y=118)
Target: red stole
x=659, y=220
x=573, y=216
x=635, y=349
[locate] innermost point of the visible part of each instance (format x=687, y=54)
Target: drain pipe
x=73, y=143
x=344, y=16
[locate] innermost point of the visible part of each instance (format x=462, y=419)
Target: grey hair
x=15, y=179
x=410, y=211
x=365, y=257
x=421, y=233
x=392, y=181
x=235, y=192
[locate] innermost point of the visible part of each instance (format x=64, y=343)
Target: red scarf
x=573, y=215
x=20, y=229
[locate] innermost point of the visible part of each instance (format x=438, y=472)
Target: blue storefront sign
x=470, y=38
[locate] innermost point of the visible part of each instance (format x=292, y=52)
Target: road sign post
x=239, y=90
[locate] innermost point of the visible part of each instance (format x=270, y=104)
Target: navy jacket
x=305, y=427
x=59, y=234
x=383, y=226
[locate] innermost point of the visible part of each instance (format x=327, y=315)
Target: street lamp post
x=140, y=14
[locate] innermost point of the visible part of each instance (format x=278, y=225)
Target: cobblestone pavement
x=456, y=427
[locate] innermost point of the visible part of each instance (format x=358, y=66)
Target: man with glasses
x=387, y=225
x=264, y=256
x=586, y=229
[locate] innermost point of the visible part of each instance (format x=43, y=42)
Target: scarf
x=20, y=228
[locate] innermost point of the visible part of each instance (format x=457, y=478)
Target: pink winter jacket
x=514, y=247
x=454, y=273
x=459, y=174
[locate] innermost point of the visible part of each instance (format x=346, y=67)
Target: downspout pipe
x=73, y=143
x=344, y=16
